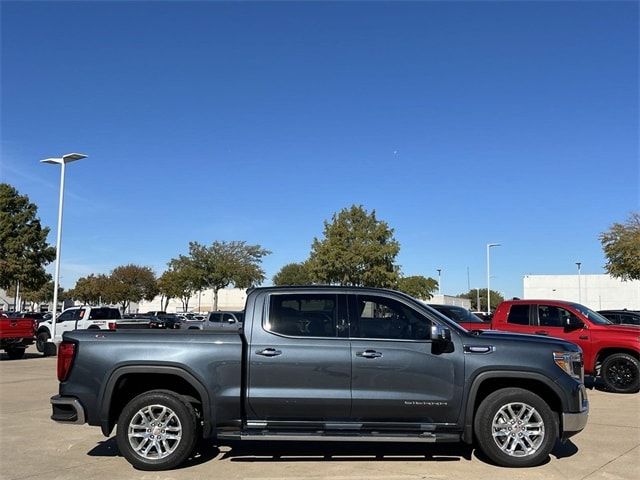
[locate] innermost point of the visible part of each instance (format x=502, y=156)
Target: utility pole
x=579, y=264
x=489, y=245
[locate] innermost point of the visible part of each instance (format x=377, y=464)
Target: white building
x=598, y=292
x=439, y=299
x=228, y=299
x=7, y=302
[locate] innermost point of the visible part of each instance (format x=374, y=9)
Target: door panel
x=396, y=379
x=299, y=369
x=552, y=320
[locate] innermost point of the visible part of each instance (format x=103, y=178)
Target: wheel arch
x=152, y=377
x=608, y=351
x=487, y=382
x=43, y=328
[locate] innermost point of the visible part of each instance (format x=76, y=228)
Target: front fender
x=477, y=381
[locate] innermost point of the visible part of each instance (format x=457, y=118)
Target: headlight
x=571, y=363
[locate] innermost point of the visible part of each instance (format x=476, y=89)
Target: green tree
x=293, y=274
x=418, y=286
x=93, y=290
x=131, y=283
x=44, y=294
x=496, y=299
x=222, y=264
x=181, y=281
x=24, y=250
x=357, y=250
x=621, y=245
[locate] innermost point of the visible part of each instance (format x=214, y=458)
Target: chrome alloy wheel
x=154, y=432
x=518, y=429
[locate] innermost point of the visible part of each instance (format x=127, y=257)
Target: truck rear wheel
x=620, y=373
x=42, y=338
x=515, y=428
x=157, y=430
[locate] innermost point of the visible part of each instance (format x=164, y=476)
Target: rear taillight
x=66, y=354
x=112, y=325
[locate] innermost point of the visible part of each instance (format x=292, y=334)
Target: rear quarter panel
x=214, y=360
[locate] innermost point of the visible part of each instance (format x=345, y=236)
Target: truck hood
x=622, y=329
x=501, y=335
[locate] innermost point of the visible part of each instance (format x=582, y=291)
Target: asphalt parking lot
x=34, y=447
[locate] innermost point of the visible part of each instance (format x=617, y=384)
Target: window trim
x=348, y=314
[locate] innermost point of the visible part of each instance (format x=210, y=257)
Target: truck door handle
x=269, y=352
x=584, y=337
x=369, y=354
x=542, y=332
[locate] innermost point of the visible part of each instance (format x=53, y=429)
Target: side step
x=321, y=436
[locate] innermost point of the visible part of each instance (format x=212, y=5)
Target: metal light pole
x=439, y=270
x=62, y=161
x=489, y=245
x=579, y=264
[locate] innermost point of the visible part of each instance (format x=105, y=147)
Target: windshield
x=458, y=314
x=591, y=315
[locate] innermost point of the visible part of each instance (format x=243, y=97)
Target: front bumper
x=67, y=410
x=573, y=423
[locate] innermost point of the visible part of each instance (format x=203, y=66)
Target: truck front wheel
x=515, y=428
x=620, y=373
x=157, y=430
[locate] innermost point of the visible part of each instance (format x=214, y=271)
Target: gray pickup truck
x=323, y=364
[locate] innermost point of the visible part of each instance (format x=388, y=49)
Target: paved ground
x=34, y=447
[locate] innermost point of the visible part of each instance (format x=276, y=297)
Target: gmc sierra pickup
x=610, y=351
x=323, y=364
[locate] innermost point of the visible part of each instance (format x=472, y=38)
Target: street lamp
x=579, y=264
x=439, y=270
x=489, y=245
x=62, y=161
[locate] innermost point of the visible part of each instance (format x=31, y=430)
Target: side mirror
x=440, y=333
x=231, y=320
x=573, y=323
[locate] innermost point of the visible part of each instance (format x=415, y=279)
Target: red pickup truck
x=16, y=334
x=610, y=351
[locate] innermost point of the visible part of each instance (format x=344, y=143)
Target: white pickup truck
x=78, y=318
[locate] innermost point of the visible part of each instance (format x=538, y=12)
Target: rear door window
x=518, y=314
x=629, y=319
x=303, y=315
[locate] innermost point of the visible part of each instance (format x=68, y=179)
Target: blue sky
x=459, y=123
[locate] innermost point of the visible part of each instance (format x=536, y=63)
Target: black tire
x=188, y=423
x=15, y=353
x=42, y=338
x=620, y=373
x=489, y=410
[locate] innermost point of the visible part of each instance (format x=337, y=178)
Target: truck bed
x=213, y=359
x=17, y=328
